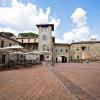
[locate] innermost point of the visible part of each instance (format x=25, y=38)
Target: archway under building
x=41, y=57
x=64, y=59
x=61, y=59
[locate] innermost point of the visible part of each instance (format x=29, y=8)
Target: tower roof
x=45, y=25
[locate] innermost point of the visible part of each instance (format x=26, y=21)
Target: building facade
x=61, y=52
x=89, y=50
x=45, y=43
x=57, y=52
x=31, y=44
x=6, y=42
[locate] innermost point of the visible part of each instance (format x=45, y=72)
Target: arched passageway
x=61, y=59
x=41, y=57
x=64, y=59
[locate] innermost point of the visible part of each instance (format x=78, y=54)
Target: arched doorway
x=61, y=59
x=64, y=59
x=41, y=57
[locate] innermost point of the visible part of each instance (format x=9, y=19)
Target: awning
x=12, y=47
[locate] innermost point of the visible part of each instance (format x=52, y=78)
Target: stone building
x=58, y=52
x=85, y=50
x=61, y=52
x=31, y=44
x=45, y=39
x=6, y=42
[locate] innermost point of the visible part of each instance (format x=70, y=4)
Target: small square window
x=45, y=29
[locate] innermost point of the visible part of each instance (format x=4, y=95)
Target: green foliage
x=7, y=34
x=28, y=34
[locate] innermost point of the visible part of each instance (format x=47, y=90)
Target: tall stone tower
x=45, y=39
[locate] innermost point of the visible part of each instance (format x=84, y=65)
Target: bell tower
x=45, y=39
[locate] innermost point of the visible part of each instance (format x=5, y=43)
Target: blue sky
x=74, y=19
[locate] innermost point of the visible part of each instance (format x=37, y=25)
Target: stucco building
x=61, y=52
x=57, y=52
x=6, y=42
x=89, y=50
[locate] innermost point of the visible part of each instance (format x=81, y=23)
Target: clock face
x=44, y=37
x=45, y=47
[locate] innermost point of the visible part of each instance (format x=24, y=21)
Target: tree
x=7, y=34
x=28, y=34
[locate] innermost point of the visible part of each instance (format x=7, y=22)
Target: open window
x=83, y=48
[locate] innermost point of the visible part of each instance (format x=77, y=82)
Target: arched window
x=66, y=50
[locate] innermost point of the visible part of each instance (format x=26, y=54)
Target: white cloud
x=20, y=17
x=79, y=17
x=55, y=21
x=77, y=34
x=81, y=30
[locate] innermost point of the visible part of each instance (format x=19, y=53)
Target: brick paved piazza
x=70, y=81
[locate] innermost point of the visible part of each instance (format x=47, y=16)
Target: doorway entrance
x=61, y=59
x=41, y=57
x=64, y=59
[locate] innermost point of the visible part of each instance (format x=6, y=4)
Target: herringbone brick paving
x=40, y=83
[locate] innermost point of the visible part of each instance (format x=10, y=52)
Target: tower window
x=44, y=37
x=46, y=29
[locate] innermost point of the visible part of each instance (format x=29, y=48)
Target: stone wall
x=7, y=42
x=61, y=50
x=83, y=51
